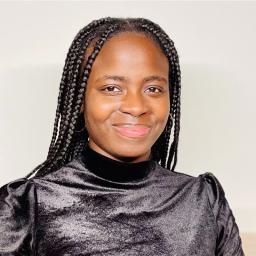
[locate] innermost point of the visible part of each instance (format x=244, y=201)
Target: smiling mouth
x=132, y=131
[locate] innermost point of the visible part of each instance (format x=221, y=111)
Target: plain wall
x=216, y=45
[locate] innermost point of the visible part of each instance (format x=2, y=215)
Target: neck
x=114, y=170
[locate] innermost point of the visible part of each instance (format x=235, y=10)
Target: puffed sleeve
x=17, y=216
x=228, y=241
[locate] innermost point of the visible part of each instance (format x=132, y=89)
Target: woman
x=108, y=185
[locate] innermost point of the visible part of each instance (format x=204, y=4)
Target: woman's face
x=127, y=97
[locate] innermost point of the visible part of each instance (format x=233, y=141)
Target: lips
x=131, y=130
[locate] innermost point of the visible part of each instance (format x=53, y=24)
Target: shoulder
x=16, y=194
x=203, y=184
x=64, y=174
x=173, y=176
x=17, y=187
x=212, y=182
x=206, y=182
x=17, y=211
x=229, y=241
x=214, y=189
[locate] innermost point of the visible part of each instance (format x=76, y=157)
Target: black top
x=95, y=205
x=114, y=170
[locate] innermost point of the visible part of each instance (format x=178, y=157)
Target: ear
x=82, y=108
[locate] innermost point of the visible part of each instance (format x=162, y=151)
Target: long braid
x=66, y=143
x=69, y=71
x=69, y=62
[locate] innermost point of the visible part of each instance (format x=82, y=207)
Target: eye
x=110, y=89
x=153, y=88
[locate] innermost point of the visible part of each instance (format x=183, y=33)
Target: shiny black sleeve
x=17, y=216
x=228, y=241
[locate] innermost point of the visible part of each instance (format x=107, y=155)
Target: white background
x=216, y=42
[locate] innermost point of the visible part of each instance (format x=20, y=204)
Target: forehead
x=133, y=42
x=129, y=50
x=131, y=38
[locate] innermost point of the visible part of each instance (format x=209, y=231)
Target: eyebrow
x=125, y=79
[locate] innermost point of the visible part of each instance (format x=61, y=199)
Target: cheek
x=161, y=114
x=98, y=110
x=162, y=109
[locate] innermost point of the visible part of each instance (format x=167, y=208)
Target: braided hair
x=67, y=141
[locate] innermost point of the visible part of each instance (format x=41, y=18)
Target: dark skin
x=111, y=103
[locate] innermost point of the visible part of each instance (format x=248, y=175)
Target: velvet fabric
x=95, y=205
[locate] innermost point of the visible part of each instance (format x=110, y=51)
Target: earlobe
x=82, y=108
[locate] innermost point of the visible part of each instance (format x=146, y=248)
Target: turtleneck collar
x=114, y=170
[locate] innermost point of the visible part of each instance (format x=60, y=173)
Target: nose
x=134, y=104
